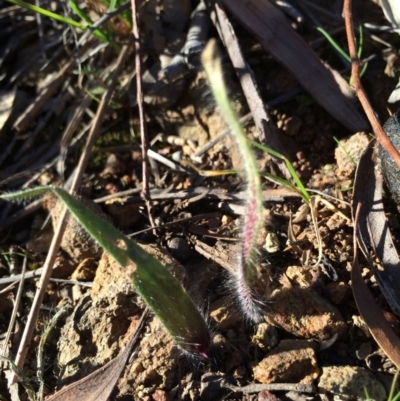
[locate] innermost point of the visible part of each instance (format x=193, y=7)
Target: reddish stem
x=362, y=96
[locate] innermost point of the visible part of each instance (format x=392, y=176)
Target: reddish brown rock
x=292, y=361
x=305, y=313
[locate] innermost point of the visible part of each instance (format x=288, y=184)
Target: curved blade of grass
x=334, y=43
x=281, y=181
x=57, y=17
x=161, y=291
x=248, y=282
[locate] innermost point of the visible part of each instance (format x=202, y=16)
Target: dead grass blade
x=98, y=385
x=373, y=228
x=276, y=35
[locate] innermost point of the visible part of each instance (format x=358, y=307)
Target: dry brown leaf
x=373, y=228
x=98, y=385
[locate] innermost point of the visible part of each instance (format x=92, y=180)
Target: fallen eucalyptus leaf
x=373, y=229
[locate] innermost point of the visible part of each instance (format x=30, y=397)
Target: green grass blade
x=280, y=181
x=47, y=13
x=57, y=17
x=344, y=150
x=161, y=291
x=79, y=12
x=247, y=281
x=334, y=44
x=363, y=69
x=113, y=4
x=342, y=52
x=361, y=36
x=393, y=386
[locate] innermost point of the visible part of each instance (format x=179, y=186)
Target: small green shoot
x=336, y=46
x=298, y=187
x=301, y=189
x=248, y=281
x=161, y=291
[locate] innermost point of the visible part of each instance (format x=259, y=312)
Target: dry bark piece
x=98, y=385
x=371, y=228
x=276, y=35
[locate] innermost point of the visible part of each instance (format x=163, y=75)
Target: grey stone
x=351, y=383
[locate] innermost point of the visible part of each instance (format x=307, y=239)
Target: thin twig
x=362, y=96
x=17, y=302
x=143, y=127
x=256, y=388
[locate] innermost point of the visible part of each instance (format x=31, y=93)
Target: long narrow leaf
x=248, y=281
x=161, y=291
